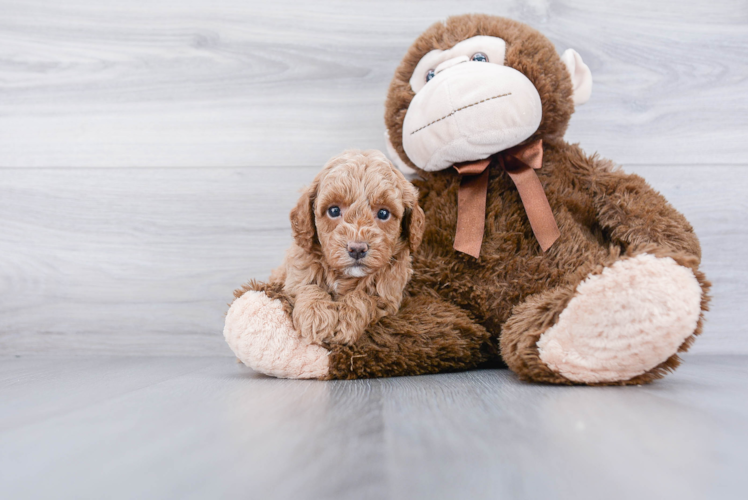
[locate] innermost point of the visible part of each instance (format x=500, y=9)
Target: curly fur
x=334, y=297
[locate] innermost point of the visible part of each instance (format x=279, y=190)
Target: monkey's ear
x=414, y=220
x=581, y=77
x=302, y=219
x=395, y=158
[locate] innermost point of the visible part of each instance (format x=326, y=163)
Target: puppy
x=354, y=230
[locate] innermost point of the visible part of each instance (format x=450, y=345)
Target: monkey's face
x=485, y=84
x=467, y=105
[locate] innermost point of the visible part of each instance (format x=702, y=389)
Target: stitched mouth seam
x=460, y=109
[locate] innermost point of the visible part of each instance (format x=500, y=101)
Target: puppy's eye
x=430, y=74
x=333, y=212
x=479, y=57
x=383, y=214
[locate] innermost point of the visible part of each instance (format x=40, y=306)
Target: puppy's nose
x=357, y=250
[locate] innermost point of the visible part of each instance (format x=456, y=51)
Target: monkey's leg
x=427, y=335
x=623, y=324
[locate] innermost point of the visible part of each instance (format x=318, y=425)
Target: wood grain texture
x=116, y=260
x=207, y=428
x=143, y=261
x=138, y=260
x=180, y=83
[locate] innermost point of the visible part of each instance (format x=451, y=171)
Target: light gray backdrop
x=150, y=151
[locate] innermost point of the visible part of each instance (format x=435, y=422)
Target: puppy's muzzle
x=357, y=251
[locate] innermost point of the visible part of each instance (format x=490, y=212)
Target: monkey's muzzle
x=468, y=112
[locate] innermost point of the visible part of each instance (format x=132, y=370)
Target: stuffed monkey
x=535, y=256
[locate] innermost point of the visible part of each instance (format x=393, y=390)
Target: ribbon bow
x=520, y=162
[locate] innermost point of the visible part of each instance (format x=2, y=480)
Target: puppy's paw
x=355, y=312
x=316, y=321
x=346, y=334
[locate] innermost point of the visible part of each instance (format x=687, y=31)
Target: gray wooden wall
x=150, y=151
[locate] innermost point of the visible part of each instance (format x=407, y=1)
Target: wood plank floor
x=181, y=427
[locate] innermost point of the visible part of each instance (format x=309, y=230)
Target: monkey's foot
x=623, y=322
x=262, y=336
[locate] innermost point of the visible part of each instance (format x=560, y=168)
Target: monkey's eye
x=430, y=74
x=479, y=57
x=333, y=212
x=383, y=214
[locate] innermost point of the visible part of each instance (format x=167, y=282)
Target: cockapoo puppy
x=354, y=230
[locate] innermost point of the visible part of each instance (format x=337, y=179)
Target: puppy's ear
x=414, y=220
x=302, y=219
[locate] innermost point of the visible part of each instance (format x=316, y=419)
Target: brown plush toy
x=535, y=255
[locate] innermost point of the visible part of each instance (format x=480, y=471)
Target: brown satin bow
x=520, y=162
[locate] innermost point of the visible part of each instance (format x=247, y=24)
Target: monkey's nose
x=357, y=250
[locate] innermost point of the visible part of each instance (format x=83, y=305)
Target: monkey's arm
x=636, y=216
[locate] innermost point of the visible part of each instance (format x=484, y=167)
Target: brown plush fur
x=432, y=336
x=458, y=309
x=334, y=296
x=514, y=292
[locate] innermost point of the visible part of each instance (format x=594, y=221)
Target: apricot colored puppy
x=354, y=231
